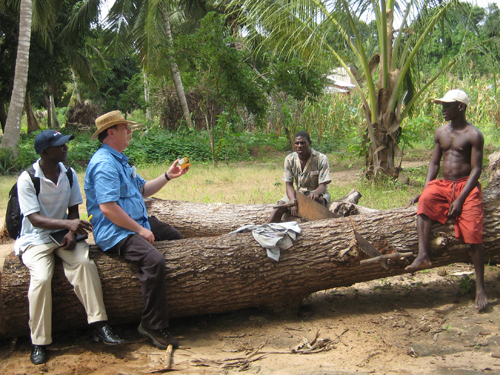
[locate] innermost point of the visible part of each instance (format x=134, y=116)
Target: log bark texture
x=231, y=271
x=214, y=219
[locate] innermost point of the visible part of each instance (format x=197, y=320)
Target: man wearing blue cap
x=50, y=206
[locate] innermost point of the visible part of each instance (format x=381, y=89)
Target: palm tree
x=42, y=20
x=61, y=33
x=11, y=136
x=142, y=24
x=389, y=92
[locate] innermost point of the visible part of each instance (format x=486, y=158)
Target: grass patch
x=260, y=182
x=252, y=182
x=244, y=182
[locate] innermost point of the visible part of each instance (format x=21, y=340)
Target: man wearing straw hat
x=458, y=195
x=115, y=199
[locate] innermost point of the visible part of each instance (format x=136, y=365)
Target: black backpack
x=13, y=216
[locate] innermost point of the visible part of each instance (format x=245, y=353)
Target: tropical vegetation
x=225, y=80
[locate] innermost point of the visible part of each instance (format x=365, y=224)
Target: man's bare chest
x=458, y=142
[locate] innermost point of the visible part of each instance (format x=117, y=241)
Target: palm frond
x=44, y=14
x=416, y=47
x=118, y=25
x=81, y=66
x=86, y=14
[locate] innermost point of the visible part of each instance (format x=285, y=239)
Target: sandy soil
x=411, y=324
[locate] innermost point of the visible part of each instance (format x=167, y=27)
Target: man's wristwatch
x=166, y=176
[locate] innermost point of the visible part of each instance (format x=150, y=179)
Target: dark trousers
x=151, y=273
x=163, y=231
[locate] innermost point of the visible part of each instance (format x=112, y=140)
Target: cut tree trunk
x=228, y=272
x=215, y=219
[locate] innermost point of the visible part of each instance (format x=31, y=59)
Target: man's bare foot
x=419, y=264
x=481, y=301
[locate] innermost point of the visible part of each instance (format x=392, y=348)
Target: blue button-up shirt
x=109, y=178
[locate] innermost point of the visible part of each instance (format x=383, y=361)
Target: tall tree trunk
x=30, y=117
x=77, y=88
x=3, y=116
x=383, y=149
x=224, y=273
x=49, y=112
x=12, y=132
x=53, y=110
x=381, y=156
x=146, y=96
x=384, y=131
x=174, y=70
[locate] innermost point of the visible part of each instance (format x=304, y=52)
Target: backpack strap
x=69, y=173
x=35, y=180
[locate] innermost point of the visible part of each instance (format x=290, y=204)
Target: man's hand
x=315, y=197
x=414, y=200
x=69, y=241
x=146, y=234
x=294, y=210
x=176, y=171
x=79, y=226
x=455, y=208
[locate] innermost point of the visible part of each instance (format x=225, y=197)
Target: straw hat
x=108, y=120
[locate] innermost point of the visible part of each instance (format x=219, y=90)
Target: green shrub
x=154, y=147
x=27, y=154
x=7, y=162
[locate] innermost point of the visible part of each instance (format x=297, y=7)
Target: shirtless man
x=458, y=195
x=309, y=170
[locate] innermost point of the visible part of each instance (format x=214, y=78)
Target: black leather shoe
x=161, y=337
x=106, y=335
x=38, y=354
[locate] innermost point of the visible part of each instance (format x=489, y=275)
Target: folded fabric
x=273, y=237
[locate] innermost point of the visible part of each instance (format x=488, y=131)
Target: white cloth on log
x=273, y=236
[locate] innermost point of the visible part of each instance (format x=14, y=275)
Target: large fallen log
x=231, y=271
x=214, y=219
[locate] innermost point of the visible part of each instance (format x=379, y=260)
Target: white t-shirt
x=53, y=201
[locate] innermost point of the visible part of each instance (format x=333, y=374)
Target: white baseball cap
x=454, y=96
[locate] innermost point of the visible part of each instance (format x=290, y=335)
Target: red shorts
x=435, y=202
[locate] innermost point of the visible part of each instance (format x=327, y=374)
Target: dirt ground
x=410, y=324
x=420, y=324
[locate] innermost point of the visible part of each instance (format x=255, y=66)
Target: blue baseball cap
x=49, y=138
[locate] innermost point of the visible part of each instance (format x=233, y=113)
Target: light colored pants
x=80, y=271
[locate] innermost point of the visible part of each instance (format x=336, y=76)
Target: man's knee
x=424, y=217
x=282, y=210
x=87, y=263
x=476, y=247
x=163, y=231
x=41, y=280
x=78, y=257
x=155, y=259
x=167, y=233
